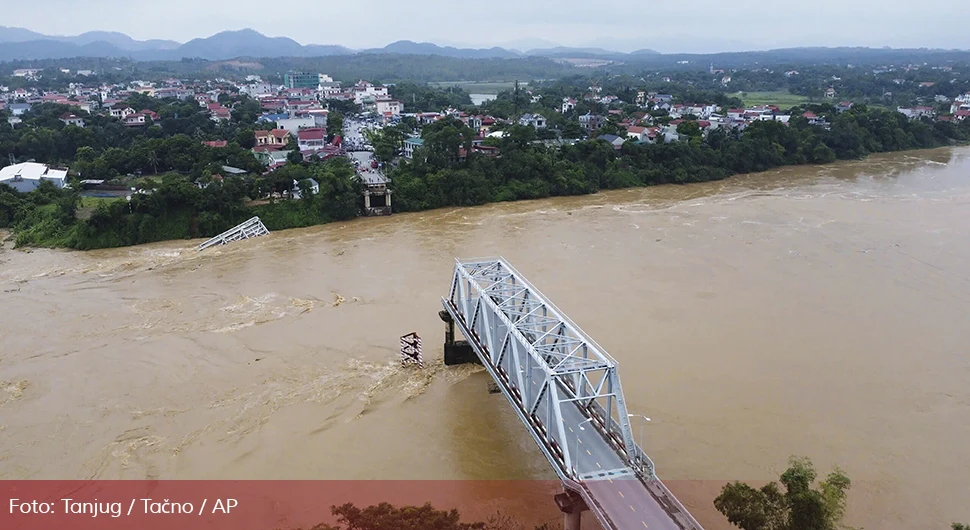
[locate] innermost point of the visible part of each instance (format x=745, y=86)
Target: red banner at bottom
x=261, y=505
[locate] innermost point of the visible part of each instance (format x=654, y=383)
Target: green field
x=782, y=98
x=479, y=87
x=93, y=202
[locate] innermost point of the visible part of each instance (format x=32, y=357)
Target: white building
x=535, y=120
x=410, y=145
x=29, y=73
x=329, y=90
x=294, y=124
x=258, y=89
x=389, y=106
x=26, y=177
x=314, y=188
x=364, y=90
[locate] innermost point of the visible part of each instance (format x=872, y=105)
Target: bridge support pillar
x=456, y=351
x=572, y=521
x=572, y=507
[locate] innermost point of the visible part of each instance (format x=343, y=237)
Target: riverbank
x=178, y=224
x=178, y=209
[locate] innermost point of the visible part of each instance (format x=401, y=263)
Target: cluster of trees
x=511, y=104
x=423, y=98
x=447, y=172
x=107, y=149
x=178, y=208
x=385, y=516
x=393, y=68
x=798, y=507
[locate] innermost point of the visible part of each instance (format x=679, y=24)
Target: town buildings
x=311, y=139
x=72, y=119
x=301, y=80
x=27, y=176
x=274, y=137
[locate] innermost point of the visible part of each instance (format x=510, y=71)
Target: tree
x=800, y=507
x=295, y=156
x=335, y=123
x=246, y=139
x=960, y=526
x=385, y=516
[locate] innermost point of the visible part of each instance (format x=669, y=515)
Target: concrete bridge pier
x=572, y=507
x=456, y=351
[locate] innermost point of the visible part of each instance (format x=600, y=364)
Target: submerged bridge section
x=251, y=228
x=566, y=390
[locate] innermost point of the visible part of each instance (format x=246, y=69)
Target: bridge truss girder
x=544, y=360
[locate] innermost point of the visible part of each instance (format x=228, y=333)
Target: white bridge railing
x=251, y=228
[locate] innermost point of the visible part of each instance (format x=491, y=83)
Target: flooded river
x=813, y=311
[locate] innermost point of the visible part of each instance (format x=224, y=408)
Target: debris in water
x=13, y=389
x=337, y=300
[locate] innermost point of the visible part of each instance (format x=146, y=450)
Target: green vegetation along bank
x=446, y=171
x=440, y=175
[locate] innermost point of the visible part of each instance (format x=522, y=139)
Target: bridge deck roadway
x=625, y=499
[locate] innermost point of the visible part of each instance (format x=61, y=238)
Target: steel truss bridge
x=566, y=390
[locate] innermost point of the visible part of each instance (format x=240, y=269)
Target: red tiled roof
x=312, y=134
x=216, y=143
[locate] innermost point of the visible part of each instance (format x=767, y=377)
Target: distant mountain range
x=24, y=44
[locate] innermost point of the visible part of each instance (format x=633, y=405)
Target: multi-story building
x=366, y=91
x=301, y=80
x=389, y=107
x=591, y=122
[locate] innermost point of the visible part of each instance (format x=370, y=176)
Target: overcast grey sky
x=666, y=26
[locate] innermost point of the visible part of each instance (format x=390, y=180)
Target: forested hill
x=386, y=68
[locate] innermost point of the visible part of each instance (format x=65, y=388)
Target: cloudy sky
x=625, y=25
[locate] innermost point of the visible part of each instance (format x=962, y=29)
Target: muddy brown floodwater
x=818, y=311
